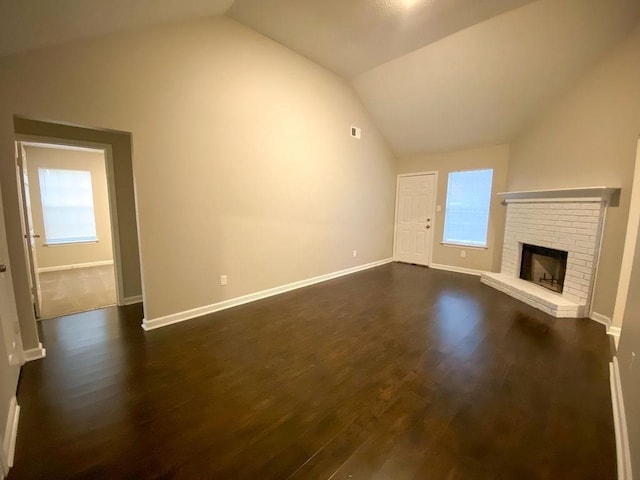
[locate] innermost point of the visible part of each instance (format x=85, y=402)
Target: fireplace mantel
x=609, y=194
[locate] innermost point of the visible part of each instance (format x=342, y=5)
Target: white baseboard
x=11, y=432
x=615, y=331
x=451, y=268
x=132, y=300
x=603, y=319
x=234, y=302
x=35, y=353
x=60, y=268
x=620, y=423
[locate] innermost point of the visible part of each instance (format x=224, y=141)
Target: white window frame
x=451, y=243
x=49, y=241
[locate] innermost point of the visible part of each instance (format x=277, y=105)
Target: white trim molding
x=603, y=319
x=10, y=433
x=132, y=300
x=615, y=331
x=35, y=353
x=620, y=423
x=59, y=268
x=452, y=268
x=252, y=297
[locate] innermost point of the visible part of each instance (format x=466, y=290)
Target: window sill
x=464, y=245
x=63, y=244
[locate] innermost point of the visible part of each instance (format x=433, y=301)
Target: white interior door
x=27, y=227
x=414, y=218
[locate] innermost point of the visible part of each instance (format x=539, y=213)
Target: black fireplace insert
x=544, y=266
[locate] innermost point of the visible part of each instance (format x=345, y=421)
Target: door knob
x=428, y=227
x=3, y=268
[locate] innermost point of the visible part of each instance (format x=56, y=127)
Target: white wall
x=62, y=159
x=242, y=156
x=589, y=138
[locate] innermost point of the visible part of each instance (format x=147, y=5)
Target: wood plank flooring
x=399, y=372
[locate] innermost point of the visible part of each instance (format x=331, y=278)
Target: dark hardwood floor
x=398, y=372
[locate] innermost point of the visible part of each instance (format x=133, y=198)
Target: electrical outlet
x=463, y=253
x=355, y=253
x=223, y=279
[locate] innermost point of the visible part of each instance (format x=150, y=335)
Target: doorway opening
x=67, y=222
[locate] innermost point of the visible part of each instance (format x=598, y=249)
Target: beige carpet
x=72, y=291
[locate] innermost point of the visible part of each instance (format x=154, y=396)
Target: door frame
x=111, y=190
x=433, y=209
x=27, y=229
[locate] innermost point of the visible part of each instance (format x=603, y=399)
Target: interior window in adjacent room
x=67, y=206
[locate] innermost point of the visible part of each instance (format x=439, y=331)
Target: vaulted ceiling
x=353, y=36
x=31, y=24
x=434, y=74
x=485, y=84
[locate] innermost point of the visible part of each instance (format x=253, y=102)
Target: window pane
x=67, y=205
x=467, y=212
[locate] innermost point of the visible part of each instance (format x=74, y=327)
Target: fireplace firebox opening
x=543, y=266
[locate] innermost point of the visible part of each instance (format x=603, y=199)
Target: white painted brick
x=582, y=224
x=581, y=238
x=582, y=269
x=570, y=297
x=577, y=283
x=590, y=205
x=590, y=229
x=582, y=243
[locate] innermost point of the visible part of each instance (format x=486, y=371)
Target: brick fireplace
x=561, y=224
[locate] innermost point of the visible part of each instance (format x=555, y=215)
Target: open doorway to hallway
x=67, y=226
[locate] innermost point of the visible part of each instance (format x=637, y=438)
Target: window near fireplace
x=466, y=218
x=544, y=266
